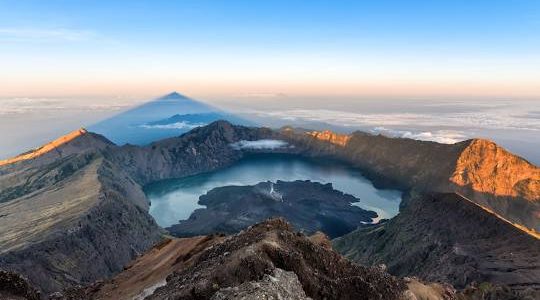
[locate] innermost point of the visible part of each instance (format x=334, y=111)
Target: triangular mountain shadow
x=167, y=116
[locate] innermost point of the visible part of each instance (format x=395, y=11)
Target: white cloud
x=492, y=119
x=38, y=34
x=21, y=105
x=177, y=125
x=259, y=144
x=439, y=136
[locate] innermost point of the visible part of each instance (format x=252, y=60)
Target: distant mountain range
x=167, y=116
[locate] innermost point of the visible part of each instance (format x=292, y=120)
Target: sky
x=254, y=49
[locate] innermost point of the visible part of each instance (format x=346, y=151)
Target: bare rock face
x=201, y=150
x=499, y=180
x=278, y=285
x=15, y=287
x=445, y=237
x=488, y=168
x=331, y=137
x=49, y=164
x=69, y=216
x=243, y=261
x=479, y=169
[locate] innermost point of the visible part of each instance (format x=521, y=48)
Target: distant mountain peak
x=172, y=96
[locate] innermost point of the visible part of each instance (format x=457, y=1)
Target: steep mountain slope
x=69, y=216
x=479, y=169
x=201, y=150
x=49, y=164
x=445, y=237
x=148, y=272
x=499, y=180
x=269, y=249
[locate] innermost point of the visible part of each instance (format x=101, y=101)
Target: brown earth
x=141, y=277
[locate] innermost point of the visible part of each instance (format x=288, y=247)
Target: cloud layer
x=177, y=125
x=439, y=136
x=21, y=105
x=499, y=119
x=259, y=144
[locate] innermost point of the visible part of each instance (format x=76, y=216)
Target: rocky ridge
x=268, y=249
x=15, y=287
x=71, y=217
x=479, y=169
x=266, y=261
x=447, y=238
x=49, y=147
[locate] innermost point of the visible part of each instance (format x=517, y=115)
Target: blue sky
x=224, y=48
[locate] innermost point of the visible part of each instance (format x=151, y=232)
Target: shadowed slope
x=71, y=217
x=445, y=237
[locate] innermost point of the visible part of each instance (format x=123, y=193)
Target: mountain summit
x=75, y=142
x=173, y=96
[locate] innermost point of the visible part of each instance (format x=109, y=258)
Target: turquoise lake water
x=176, y=199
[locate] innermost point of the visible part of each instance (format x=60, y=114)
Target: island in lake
x=309, y=206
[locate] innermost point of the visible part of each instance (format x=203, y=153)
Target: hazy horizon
x=514, y=124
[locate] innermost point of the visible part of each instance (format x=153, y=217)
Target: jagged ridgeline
x=73, y=212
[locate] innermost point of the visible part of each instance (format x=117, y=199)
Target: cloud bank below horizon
x=259, y=144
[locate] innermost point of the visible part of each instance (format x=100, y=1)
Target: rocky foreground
x=267, y=261
x=308, y=206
